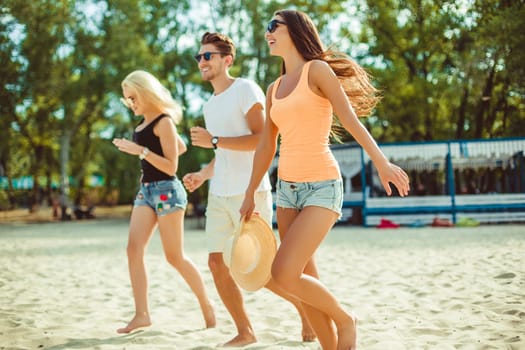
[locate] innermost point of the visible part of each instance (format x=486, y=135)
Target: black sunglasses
x=206, y=55
x=272, y=26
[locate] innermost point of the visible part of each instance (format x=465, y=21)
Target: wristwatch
x=144, y=153
x=214, y=141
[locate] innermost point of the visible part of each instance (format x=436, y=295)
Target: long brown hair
x=363, y=96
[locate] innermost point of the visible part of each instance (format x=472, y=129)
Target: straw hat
x=250, y=252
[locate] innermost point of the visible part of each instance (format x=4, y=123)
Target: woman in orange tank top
x=314, y=84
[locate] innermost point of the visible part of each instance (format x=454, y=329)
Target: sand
x=66, y=286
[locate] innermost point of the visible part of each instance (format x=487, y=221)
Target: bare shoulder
x=320, y=74
x=166, y=122
x=165, y=125
x=270, y=88
x=319, y=66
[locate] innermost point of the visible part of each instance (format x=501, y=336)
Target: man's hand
x=192, y=181
x=200, y=137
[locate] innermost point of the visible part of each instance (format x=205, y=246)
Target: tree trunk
x=65, y=143
x=484, y=102
x=462, y=114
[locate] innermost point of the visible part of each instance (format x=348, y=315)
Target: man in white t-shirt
x=234, y=117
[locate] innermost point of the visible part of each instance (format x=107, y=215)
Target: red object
x=437, y=222
x=387, y=224
x=163, y=197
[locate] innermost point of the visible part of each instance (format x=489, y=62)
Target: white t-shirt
x=225, y=115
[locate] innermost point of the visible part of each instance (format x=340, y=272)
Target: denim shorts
x=298, y=195
x=164, y=197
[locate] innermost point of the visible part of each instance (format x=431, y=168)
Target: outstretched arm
x=327, y=84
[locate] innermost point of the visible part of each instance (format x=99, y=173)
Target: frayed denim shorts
x=164, y=197
x=298, y=195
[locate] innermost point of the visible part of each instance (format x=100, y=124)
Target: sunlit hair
x=222, y=42
x=149, y=88
x=363, y=96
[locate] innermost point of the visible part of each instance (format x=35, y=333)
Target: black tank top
x=147, y=138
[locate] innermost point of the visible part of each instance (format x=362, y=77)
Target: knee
x=216, y=264
x=282, y=277
x=135, y=249
x=175, y=259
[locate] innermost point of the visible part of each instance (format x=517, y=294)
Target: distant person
x=315, y=84
x=161, y=199
x=234, y=117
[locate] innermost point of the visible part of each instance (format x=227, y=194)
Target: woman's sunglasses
x=128, y=102
x=206, y=55
x=272, y=26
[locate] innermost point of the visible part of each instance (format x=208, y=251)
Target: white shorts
x=223, y=218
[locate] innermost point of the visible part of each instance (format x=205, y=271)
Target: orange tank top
x=304, y=120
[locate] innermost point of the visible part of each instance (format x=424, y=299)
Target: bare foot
x=136, y=323
x=307, y=332
x=209, y=316
x=347, y=335
x=241, y=340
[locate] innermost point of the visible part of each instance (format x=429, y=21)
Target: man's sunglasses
x=206, y=55
x=272, y=26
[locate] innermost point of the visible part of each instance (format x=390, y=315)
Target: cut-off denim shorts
x=164, y=197
x=298, y=195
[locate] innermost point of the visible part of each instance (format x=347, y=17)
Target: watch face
x=214, y=140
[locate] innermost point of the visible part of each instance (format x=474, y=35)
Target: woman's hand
x=391, y=173
x=128, y=147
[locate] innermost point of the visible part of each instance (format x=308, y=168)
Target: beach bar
x=483, y=180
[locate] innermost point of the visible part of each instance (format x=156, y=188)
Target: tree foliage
x=446, y=69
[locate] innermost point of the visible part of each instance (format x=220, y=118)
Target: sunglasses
x=128, y=102
x=206, y=55
x=272, y=26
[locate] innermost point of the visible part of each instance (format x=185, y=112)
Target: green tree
x=39, y=80
x=447, y=69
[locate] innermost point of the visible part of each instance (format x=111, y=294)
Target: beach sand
x=65, y=285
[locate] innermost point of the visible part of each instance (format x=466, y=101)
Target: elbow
x=172, y=168
x=257, y=138
x=182, y=149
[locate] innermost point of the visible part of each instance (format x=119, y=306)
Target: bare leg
x=302, y=238
x=171, y=229
x=285, y=217
x=231, y=296
x=307, y=332
x=318, y=320
x=141, y=227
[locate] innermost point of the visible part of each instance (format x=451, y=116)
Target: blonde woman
x=161, y=199
x=314, y=85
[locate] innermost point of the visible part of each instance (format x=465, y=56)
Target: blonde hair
x=148, y=87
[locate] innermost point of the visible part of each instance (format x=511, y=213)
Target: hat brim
x=255, y=241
